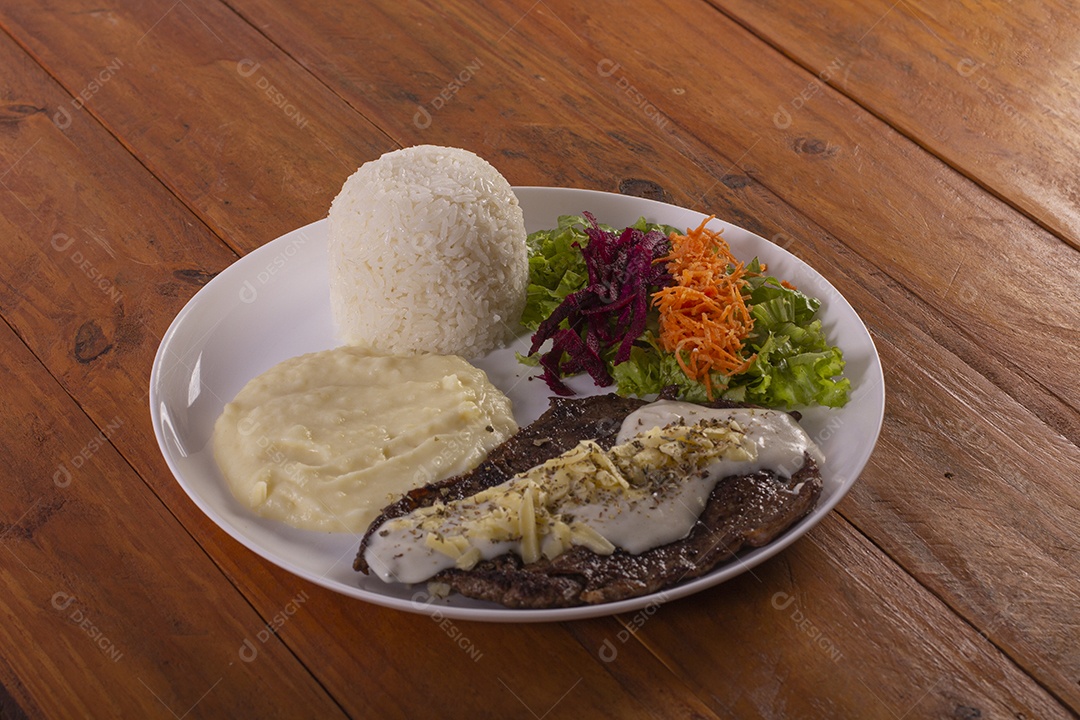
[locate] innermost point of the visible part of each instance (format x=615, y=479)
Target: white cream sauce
x=628, y=518
x=324, y=441
x=779, y=439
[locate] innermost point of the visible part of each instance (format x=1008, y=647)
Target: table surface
x=925, y=157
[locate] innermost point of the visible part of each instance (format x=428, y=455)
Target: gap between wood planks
x=985, y=186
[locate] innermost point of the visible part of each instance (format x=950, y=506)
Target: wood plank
x=114, y=609
x=550, y=27
x=985, y=86
x=608, y=177
x=122, y=252
x=387, y=663
x=959, y=549
x=870, y=188
x=190, y=88
x=967, y=490
x=836, y=655
x=988, y=516
x=110, y=607
x=960, y=475
x=106, y=344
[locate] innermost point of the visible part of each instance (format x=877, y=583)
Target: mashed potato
x=324, y=441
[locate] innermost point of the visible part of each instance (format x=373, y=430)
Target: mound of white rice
x=427, y=254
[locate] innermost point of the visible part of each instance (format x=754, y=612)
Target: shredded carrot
x=704, y=319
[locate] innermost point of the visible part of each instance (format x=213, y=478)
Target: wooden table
x=925, y=157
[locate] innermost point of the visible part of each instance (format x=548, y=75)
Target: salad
x=649, y=308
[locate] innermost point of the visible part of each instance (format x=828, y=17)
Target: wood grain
x=108, y=342
x=114, y=603
x=969, y=491
x=537, y=103
x=982, y=85
x=188, y=85
x=386, y=663
x=872, y=189
x=866, y=237
x=111, y=608
x=833, y=636
x=989, y=518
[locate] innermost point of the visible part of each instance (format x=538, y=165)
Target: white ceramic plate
x=273, y=304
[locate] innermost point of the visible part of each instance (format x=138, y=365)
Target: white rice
x=427, y=254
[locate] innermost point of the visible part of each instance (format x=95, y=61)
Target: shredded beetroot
x=611, y=310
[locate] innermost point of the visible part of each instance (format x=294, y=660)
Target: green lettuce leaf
x=649, y=370
x=794, y=366
x=556, y=268
x=794, y=363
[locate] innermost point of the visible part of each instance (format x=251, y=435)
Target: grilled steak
x=748, y=510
